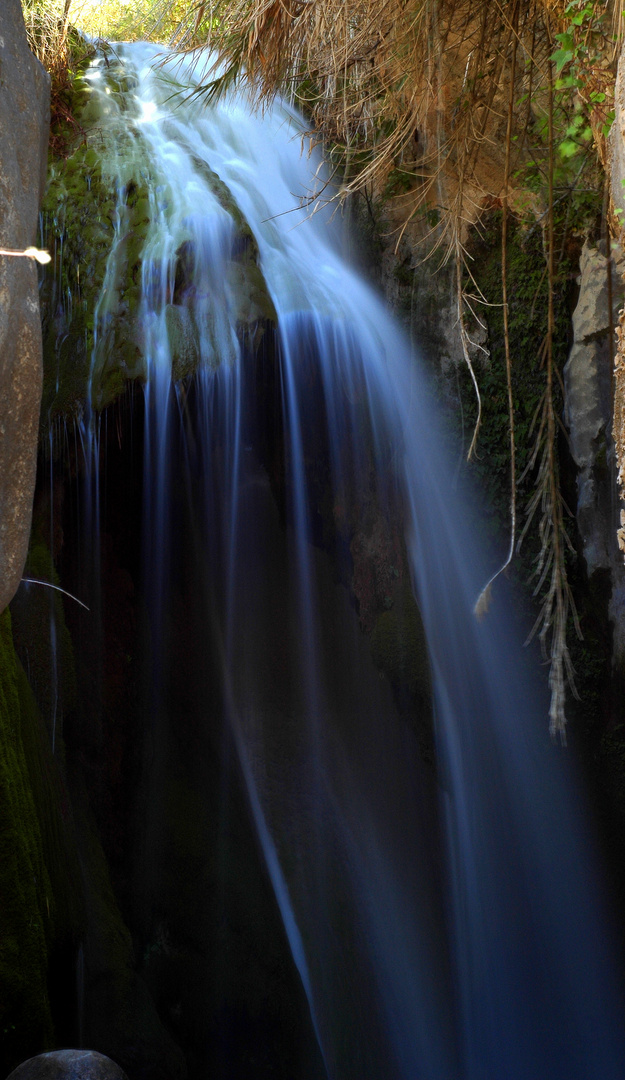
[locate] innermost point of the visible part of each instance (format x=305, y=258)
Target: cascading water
x=464, y=945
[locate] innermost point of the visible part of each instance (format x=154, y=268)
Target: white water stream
x=506, y=972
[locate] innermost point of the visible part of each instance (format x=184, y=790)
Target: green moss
x=528, y=300
x=183, y=340
x=90, y=304
x=55, y=818
x=527, y=291
x=398, y=644
x=38, y=615
x=25, y=1021
x=223, y=195
x=251, y=298
x=399, y=182
x=45, y=698
x=79, y=237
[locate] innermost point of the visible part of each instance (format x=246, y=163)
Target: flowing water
x=446, y=924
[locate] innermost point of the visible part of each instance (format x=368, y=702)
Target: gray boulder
x=588, y=416
x=68, y=1065
x=24, y=125
x=588, y=404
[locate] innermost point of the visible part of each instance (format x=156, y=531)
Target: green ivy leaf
x=562, y=57
x=609, y=120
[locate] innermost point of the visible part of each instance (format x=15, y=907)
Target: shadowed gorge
x=320, y=825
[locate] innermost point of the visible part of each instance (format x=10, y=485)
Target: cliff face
x=617, y=184
x=24, y=122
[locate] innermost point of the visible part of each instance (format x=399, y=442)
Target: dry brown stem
x=552, y=581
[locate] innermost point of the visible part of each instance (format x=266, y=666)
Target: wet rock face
x=112, y=284
x=617, y=139
x=24, y=122
x=588, y=416
x=69, y=1065
x=587, y=402
x=588, y=410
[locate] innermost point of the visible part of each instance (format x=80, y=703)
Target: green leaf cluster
x=581, y=51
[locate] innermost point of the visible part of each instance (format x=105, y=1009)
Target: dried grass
x=436, y=88
x=433, y=88
x=387, y=84
x=53, y=40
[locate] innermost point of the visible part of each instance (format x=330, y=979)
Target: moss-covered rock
x=120, y=1017
x=43, y=642
x=90, y=303
x=399, y=651
x=69, y=1065
x=26, y=898
x=99, y=213
x=46, y=683
x=54, y=813
x=398, y=644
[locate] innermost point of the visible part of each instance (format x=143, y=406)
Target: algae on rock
x=104, y=222
x=25, y=892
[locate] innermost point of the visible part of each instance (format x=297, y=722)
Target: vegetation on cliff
x=27, y=899
x=442, y=112
x=451, y=108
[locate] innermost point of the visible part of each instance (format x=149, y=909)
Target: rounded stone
x=24, y=123
x=68, y=1065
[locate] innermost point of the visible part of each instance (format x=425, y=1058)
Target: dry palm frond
x=552, y=581
x=483, y=599
x=552, y=584
x=386, y=84
x=433, y=88
x=436, y=89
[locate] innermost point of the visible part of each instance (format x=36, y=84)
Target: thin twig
x=483, y=599
x=49, y=585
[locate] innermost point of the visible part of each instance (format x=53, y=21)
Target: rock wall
x=27, y=903
x=24, y=123
x=588, y=417
x=617, y=191
x=588, y=393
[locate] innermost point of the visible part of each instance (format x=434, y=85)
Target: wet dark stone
x=68, y=1065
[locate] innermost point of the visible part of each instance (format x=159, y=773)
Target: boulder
x=68, y=1065
x=24, y=124
x=588, y=407
x=588, y=416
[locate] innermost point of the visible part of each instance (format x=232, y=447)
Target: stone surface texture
x=588, y=417
x=616, y=140
x=617, y=180
x=24, y=124
x=69, y=1065
x=588, y=408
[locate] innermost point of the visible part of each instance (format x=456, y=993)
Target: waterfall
x=447, y=923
